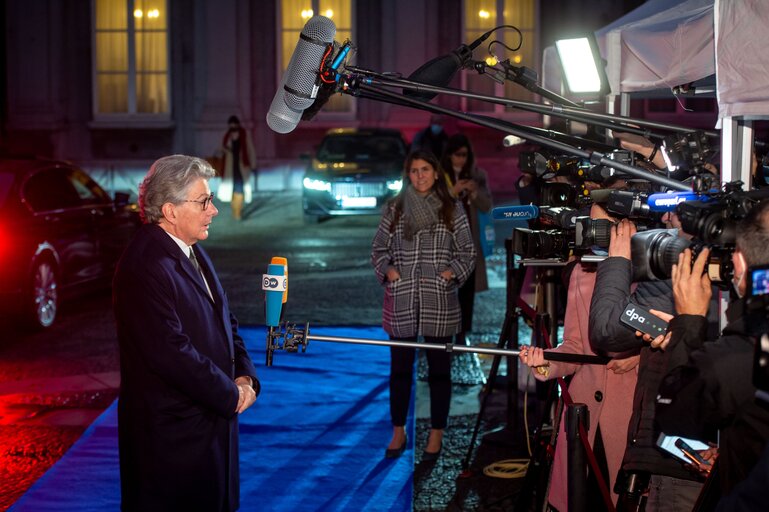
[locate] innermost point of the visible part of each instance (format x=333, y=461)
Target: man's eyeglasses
x=204, y=202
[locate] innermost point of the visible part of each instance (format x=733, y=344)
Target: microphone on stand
x=279, y=260
x=274, y=284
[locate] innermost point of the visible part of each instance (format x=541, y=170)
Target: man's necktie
x=194, y=261
x=195, y=264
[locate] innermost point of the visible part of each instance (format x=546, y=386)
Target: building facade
x=114, y=84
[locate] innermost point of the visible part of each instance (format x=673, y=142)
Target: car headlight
x=395, y=185
x=316, y=184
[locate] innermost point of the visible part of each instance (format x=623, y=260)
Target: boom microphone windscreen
x=281, y=118
x=301, y=85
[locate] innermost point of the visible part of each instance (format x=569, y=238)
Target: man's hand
x=661, y=342
x=392, y=275
x=620, y=366
x=621, y=233
x=246, y=394
x=691, y=285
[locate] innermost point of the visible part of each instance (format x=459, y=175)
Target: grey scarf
x=419, y=212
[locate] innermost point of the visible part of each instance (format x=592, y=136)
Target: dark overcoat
x=179, y=355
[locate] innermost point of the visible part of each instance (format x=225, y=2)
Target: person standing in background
x=421, y=253
x=239, y=159
x=468, y=184
x=433, y=138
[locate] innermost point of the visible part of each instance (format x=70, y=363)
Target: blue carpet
x=314, y=440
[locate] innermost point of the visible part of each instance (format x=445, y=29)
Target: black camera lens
x=654, y=253
x=709, y=222
x=529, y=243
x=592, y=232
x=557, y=194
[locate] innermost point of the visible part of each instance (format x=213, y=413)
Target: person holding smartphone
x=469, y=184
x=708, y=385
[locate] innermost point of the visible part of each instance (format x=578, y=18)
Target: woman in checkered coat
x=422, y=253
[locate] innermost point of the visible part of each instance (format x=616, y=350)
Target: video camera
x=545, y=166
x=580, y=233
x=686, y=154
x=654, y=253
x=712, y=222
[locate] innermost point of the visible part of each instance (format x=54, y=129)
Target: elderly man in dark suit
x=185, y=372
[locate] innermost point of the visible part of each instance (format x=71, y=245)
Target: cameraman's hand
x=621, y=233
x=691, y=285
x=661, y=342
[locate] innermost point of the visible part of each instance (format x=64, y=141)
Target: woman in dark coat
x=469, y=184
x=422, y=252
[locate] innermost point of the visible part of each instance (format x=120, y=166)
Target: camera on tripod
x=583, y=234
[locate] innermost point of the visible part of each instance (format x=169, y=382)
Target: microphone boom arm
x=613, y=122
x=290, y=338
x=594, y=156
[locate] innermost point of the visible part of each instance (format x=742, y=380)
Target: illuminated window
x=131, y=75
x=293, y=16
x=480, y=16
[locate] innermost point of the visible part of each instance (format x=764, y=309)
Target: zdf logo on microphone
x=274, y=283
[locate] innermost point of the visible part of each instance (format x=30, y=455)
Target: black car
x=354, y=172
x=60, y=232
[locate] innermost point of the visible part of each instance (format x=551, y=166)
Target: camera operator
x=709, y=385
x=670, y=485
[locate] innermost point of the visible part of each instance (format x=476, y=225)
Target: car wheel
x=43, y=301
x=311, y=219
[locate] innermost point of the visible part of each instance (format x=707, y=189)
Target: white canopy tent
x=667, y=43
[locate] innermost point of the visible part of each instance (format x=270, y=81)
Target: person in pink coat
x=606, y=390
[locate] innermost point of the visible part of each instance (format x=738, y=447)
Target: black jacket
x=709, y=387
x=609, y=336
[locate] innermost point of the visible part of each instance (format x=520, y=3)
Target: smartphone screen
x=668, y=443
